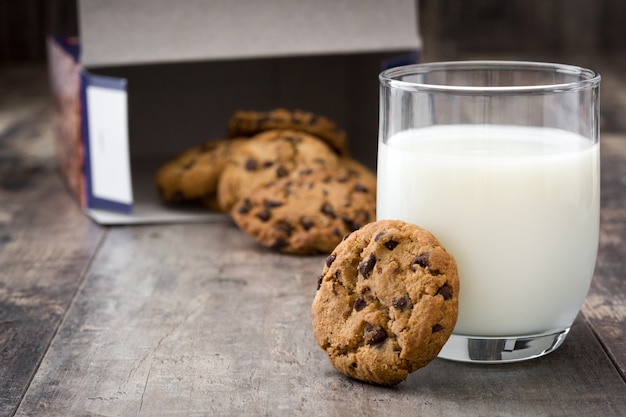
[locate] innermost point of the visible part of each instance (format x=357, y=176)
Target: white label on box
x=108, y=144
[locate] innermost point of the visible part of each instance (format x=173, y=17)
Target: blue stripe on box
x=89, y=80
x=69, y=44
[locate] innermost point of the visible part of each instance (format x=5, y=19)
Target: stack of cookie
x=285, y=177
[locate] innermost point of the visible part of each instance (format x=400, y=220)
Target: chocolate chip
x=264, y=215
x=401, y=303
x=445, y=292
x=421, y=260
x=279, y=244
x=251, y=164
x=284, y=227
x=437, y=328
x=319, y=281
x=379, y=235
x=245, y=207
x=306, y=223
x=359, y=304
x=273, y=203
x=373, y=335
x=391, y=244
x=367, y=265
x=360, y=188
x=329, y=261
x=281, y=171
x=350, y=223
x=362, y=216
x=268, y=164
x=328, y=210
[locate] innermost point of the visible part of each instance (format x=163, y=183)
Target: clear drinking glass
x=501, y=161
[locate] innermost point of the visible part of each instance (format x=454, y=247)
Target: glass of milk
x=501, y=161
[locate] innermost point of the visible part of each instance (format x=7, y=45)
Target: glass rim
x=587, y=78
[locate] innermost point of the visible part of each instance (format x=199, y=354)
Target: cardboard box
x=150, y=78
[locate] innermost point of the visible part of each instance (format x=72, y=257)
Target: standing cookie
x=268, y=156
x=387, y=302
x=308, y=212
x=248, y=123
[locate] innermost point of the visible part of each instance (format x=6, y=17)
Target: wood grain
x=44, y=251
x=198, y=320
x=45, y=242
x=605, y=305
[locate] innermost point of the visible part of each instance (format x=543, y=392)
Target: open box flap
x=160, y=31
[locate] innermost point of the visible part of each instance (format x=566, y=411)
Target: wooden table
x=197, y=320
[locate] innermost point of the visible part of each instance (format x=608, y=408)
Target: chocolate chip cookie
x=193, y=174
x=308, y=212
x=248, y=123
x=269, y=156
x=387, y=302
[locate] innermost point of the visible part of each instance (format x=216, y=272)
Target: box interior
x=175, y=106
x=189, y=68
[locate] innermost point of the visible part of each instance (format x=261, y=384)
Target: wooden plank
x=198, y=320
x=605, y=306
x=45, y=241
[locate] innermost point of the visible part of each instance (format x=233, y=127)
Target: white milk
x=517, y=207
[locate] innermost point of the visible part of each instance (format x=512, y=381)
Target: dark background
x=450, y=28
x=523, y=27
x=589, y=33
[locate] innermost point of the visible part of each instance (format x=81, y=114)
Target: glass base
x=495, y=350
